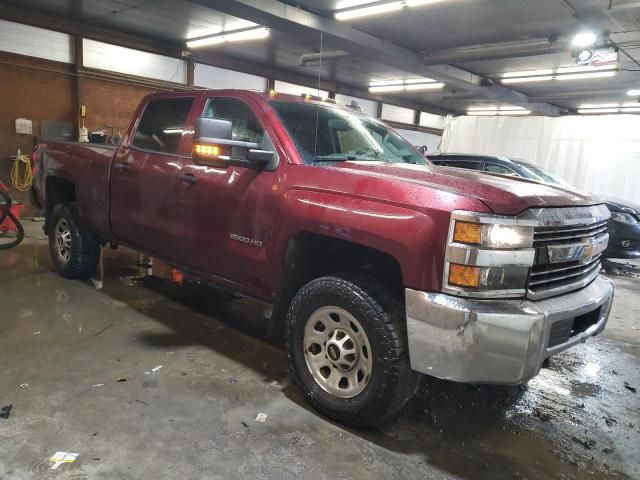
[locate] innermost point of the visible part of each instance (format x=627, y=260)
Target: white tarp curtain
x=599, y=154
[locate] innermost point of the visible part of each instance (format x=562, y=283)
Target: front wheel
x=74, y=250
x=348, y=350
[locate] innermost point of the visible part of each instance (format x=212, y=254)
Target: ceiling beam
x=295, y=21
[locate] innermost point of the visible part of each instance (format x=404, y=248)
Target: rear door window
x=162, y=123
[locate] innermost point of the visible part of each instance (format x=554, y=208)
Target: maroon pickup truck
x=380, y=266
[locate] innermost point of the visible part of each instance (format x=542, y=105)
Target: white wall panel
x=214, y=77
x=397, y=114
x=599, y=154
x=431, y=120
x=370, y=107
x=293, y=89
x=35, y=42
x=419, y=139
x=105, y=56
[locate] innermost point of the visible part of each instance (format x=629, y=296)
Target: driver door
x=228, y=211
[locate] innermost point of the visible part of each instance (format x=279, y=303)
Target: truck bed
x=87, y=166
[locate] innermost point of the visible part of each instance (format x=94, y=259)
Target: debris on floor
x=97, y=385
x=261, y=417
x=6, y=411
x=62, y=457
x=155, y=369
x=629, y=387
x=121, y=379
x=24, y=386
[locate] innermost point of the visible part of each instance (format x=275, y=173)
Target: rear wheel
x=348, y=350
x=74, y=250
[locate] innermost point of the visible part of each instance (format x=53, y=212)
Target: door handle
x=188, y=178
x=122, y=166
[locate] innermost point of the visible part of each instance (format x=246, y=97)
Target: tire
x=371, y=388
x=74, y=251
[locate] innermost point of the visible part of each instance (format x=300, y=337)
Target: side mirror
x=423, y=149
x=213, y=144
x=260, y=157
x=212, y=130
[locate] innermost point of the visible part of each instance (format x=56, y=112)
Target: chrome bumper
x=495, y=341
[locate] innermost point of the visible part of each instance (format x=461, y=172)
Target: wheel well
x=58, y=190
x=312, y=256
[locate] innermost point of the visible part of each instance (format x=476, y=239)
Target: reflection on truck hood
x=503, y=195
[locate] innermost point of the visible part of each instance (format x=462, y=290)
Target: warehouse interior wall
x=598, y=154
x=50, y=88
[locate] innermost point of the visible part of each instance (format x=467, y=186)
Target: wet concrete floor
x=87, y=357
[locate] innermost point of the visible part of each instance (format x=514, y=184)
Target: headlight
x=493, y=235
x=487, y=256
x=623, y=217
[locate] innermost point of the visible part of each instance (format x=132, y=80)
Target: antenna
x=315, y=142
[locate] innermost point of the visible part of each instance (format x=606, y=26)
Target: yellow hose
x=21, y=173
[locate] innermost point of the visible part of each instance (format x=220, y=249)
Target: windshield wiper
x=346, y=158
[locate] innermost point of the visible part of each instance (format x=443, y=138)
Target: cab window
x=245, y=126
x=162, y=123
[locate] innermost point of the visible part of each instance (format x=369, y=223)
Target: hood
x=503, y=195
x=619, y=207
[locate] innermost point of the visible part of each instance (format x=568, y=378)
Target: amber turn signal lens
x=464, y=276
x=207, y=150
x=466, y=232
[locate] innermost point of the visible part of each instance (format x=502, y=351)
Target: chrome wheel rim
x=337, y=352
x=62, y=237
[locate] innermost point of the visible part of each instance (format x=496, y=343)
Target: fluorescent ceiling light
x=504, y=110
x=425, y=86
x=584, y=39
x=609, y=108
x=580, y=76
x=634, y=93
x=413, y=84
x=561, y=73
x=348, y=10
x=528, y=73
x=357, y=12
x=387, y=88
x=253, y=33
x=527, y=79
x=598, y=110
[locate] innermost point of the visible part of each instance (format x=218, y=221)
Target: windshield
x=541, y=175
x=329, y=134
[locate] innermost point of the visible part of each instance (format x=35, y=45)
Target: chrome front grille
x=548, y=277
x=544, y=236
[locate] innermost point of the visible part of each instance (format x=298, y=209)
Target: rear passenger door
x=144, y=178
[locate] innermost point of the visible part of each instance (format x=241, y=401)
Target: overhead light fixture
x=404, y=85
x=494, y=110
x=583, y=76
x=251, y=33
x=587, y=109
x=561, y=73
x=633, y=93
x=365, y=11
x=358, y=9
x=584, y=39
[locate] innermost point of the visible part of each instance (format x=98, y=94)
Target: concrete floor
x=194, y=418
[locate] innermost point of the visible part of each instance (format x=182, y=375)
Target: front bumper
x=498, y=341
